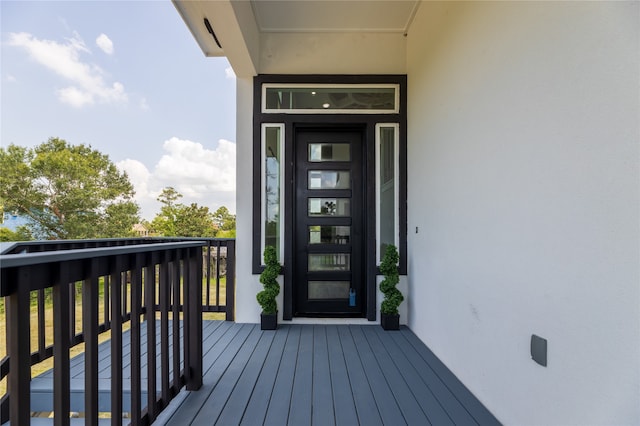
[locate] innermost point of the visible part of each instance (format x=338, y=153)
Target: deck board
x=322, y=392
x=302, y=375
x=365, y=402
x=280, y=398
x=256, y=409
x=217, y=400
x=431, y=407
x=470, y=403
x=301, y=396
x=238, y=400
x=409, y=406
x=343, y=403
x=222, y=355
x=455, y=410
x=388, y=408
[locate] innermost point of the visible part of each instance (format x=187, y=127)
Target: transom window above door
x=330, y=98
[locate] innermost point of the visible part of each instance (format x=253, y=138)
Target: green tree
x=119, y=219
x=169, y=196
x=179, y=220
x=66, y=191
x=164, y=222
x=224, y=220
x=20, y=234
x=194, y=221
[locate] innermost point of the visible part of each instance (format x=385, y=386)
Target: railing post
x=116, y=341
x=150, y=304
x=231, y=280
x=193, y=323
x=175, y=317
x=61, y=345
x=90, y=333
x=218, y=255
x=19, y=332
x=136, y=388
x=207, y=301
x=164, y=326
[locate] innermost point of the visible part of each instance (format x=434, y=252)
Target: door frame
x=370, y=269
x=361, y=220
x=363, y=122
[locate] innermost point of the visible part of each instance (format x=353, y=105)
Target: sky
x=128, y=79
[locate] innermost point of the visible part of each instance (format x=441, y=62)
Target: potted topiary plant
x=389, y=316
x=267, y=297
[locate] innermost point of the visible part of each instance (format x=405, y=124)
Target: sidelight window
x=272, y=187
x=387, y=187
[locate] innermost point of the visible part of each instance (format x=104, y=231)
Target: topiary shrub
x=389, y=267
x=267, y=297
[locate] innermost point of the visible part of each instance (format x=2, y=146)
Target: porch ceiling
x=247, y=31
x=334, y=16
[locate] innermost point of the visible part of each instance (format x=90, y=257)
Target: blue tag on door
x=352, y=297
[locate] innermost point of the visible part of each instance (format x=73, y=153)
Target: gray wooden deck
x=301, y=375
x=42, y=385
x=324, y=375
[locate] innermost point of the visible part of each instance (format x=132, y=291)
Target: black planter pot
x=390, y=321
x=268, y=321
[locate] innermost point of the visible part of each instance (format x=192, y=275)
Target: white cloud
x=204, y=176
x=11, y=79
x=105, y=44
x=88, y=80
x=229, y=73
x=143, y=104
x=74, y=97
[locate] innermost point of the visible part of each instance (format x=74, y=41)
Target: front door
x=328, y=255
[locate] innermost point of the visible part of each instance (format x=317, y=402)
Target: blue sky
x=127, y=78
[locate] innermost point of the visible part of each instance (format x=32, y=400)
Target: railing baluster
x=164, y=327
x=231, y=279
x=208, y=278
x=90, y=332
x=61, y=345
x=218, y=273
x=150, y=296
x=72, y=311
x=116, y=341
x=186, y=337
x=19, y=332
x=136, y=283
x=193, y=320
x=106, y=300
x=41, y=325
x=176, y=320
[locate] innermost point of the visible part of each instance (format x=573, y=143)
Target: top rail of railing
x=55, y=245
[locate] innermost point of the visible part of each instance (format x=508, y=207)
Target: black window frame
x=292, y=121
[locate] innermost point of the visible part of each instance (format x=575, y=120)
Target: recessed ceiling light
x=325, y=105
x=313, y=93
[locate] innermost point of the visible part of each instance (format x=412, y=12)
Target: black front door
x=328, y=255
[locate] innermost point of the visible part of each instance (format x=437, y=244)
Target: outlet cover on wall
x=539, y=350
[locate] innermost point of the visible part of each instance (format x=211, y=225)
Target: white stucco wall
x=333, y=53
x=247, y=285
x=524, y=182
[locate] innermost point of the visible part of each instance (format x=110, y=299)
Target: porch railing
x=168, y=281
